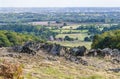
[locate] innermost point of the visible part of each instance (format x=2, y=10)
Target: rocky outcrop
x=34, y=47
x=72, y=54
x=78, y=60
x=54, y=49
x=94, y=52
x=113, y=54
x=28, y=47
x=114, y=70
x=104, y=52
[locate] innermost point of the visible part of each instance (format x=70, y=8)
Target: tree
x=87, y=39
x=8, y=38
x=4, y=41
x=109, y=39
x=48, y=23
x=67, y=38
x=58, y=22
x=64, y=24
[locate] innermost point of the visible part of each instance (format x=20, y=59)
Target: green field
x=80, y=36
x=69, y=26
x=73, y=43
x=67, y=30
x=72, y=33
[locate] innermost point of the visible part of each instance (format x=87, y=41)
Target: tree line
x=110, y=39
x=39, y=31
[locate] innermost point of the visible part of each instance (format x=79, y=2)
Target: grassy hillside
x=59, y=68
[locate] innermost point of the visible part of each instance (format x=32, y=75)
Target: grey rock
x=78, y=51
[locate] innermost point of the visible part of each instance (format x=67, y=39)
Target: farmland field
x=80, y=36
x=67, y=30
x=73, y=43
x=74, y=26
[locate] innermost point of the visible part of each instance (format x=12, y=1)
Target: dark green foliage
x=113, y=27
x=82, y=28
x=8, y=38
x=64, y=24
x=67, y=38
x=87, y=39
x=77, y=17
x=109, y=39
x=3, y=40
x=58, y=22
x=92, y=29
x=39, y=31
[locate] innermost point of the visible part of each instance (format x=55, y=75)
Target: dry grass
x=68, y=71
x=38, y=67
x=10, y=71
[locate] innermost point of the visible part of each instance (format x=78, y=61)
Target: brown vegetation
x=10, y=71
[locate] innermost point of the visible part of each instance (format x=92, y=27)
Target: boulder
x=55, y=49
x=92, y=52
x=63, y=51
x=112, y=54
x=115, y=70
x=99, y=52
x=115, y=56
x=115, y=53
x=78, y=60
x=78, y=51
x=47, y=47
x=106, y=52
x=28, y=50
x=95, y=52
x=31, y=47
x=116, y=60
x=17, y=48
x=51, y=58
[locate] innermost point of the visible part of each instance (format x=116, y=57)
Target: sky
x=59, y=3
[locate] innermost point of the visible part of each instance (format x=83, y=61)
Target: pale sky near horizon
x=59, y=3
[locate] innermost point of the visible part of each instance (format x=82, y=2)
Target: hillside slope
x=46, y=66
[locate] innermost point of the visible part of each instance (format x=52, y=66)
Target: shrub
x=109, y=39
x=9, y=38
x=10, y=71
x=87, y=39
x=67, y=38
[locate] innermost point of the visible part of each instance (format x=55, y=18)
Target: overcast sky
x=59, y=3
